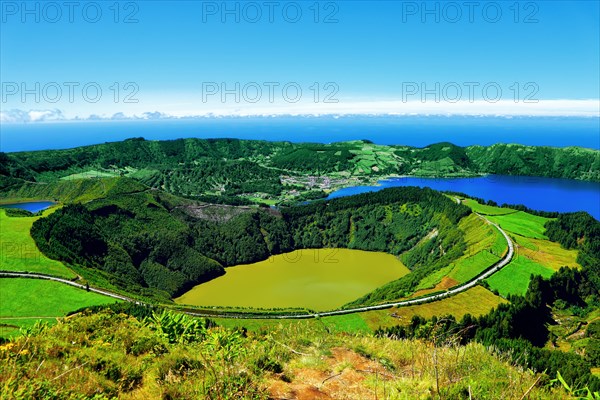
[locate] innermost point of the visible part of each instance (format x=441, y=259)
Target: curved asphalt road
x=486, y=274
x=10, y=274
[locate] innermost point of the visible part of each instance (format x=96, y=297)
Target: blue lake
x=32, y=206
x=545, y=194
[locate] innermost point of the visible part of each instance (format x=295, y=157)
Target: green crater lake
x=319, y=279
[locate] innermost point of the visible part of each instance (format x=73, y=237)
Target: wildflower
x=7, y=347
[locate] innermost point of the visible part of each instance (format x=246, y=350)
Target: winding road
x=484, y=275
x=11, y=274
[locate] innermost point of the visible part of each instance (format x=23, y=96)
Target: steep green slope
x=71, y=191
x=18, y=251
x=513, y=159
x=580, y=231
x=151, y=239
x=131, y=237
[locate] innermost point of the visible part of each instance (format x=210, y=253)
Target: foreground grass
x=26, y=301
x=108, y=355
x=18, y=251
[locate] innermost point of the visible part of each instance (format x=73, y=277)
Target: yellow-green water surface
x=319, y=279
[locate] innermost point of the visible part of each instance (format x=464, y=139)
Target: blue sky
x=368, y=52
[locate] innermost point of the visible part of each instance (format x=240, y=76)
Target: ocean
x=413, y=131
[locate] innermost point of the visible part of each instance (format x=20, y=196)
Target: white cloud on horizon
x=16, y=116
x=542, y=108
x=559, y=108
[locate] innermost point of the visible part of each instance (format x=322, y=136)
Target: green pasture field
x=468, y=268
x=24, y=301
x=90, y=174
x=485, y=246
x=547, y=253
x=522, y=223
x=514, y=278
x=485, y=209
x=18, y=251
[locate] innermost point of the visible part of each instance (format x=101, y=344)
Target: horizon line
x=502, y=108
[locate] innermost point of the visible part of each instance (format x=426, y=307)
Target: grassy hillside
x=514, y=159
x=484, y=246
x=108, y=355
x=557, y=312
x=476, y=301
x=282, y=171
x=70, y=191
x=18, y=251
x=26, y=301
x=534, y=253
x=514, y=278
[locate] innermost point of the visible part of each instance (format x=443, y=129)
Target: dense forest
x=512, y=159
x=230, y=167
x=151, y=239
x=520, y=328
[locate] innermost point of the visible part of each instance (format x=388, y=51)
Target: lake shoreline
x=318, y=279
x=538, y=193
x=33, y=206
